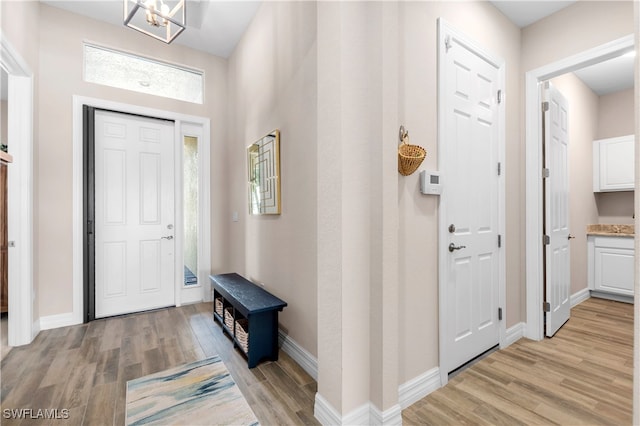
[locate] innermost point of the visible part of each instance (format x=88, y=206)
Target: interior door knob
x=168, y=237
x=453, y=247
x=570, y=237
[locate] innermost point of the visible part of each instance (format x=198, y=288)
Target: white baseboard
x=514, y=333
x=580, y=296
x=366, y=414
x=391, y=416
x=359, y=416
x=35, y=329
x=418, y=387
x=56, y=321
x=612, y=296
x=299, y=354
x=325, y=413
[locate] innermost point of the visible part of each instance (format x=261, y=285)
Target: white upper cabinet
x=613, y=164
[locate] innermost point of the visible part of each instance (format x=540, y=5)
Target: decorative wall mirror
x=263, y=159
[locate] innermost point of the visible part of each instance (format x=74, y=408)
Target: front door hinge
x=499, y=240
x=545, y=106
x=499, y=96
x=545, y=173
x=90, y=229
x=546, y=240
x=546, y=306
x=499, y=169
x=447, y=42
x=499, y=314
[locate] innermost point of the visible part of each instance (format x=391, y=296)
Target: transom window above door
x=128, y=71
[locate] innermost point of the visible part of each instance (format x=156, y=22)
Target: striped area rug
x=200, y=393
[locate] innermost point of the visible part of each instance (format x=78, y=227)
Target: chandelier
x=161, y=19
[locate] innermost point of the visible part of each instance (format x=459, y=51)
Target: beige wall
x=616, y=118
x=583, y=127
x=418, y=243
x=616, y=114
x=574, y=29
x=61, y=56
x=272, y=85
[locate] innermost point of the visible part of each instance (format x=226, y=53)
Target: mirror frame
x=263, y=173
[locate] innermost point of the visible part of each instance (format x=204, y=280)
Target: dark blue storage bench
x=251, y=313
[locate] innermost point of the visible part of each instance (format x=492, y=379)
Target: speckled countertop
x=611, y=230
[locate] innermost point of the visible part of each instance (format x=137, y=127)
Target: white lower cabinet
x=611, y=266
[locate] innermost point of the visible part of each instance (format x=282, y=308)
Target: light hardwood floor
x=581, y=376
x=85, y=368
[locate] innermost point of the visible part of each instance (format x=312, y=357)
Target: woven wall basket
x=409, y=157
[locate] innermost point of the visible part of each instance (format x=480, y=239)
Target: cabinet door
x=615, y=170
x=614, y=270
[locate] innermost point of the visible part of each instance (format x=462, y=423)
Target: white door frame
x=533, y=148
x=21, y=328
x=445, y=28
x=204, y=256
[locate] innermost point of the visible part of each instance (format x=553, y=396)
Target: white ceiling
x=610, y=76
x=213, y=26
x=524, y=13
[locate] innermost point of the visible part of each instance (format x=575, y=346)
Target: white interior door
x=470, y=155
x=556, y=222
x=134, y=213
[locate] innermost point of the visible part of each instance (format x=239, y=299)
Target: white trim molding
x=324, y=412
x=580, y=296
x=417, y=388
x=366, y=414
x=56, y=321
x=533, y=154
x=514, y=333
x=21, y=328
x=204, y=167
x=299, y=354
x=390, y=416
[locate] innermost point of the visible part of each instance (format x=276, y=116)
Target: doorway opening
x=198, y=127
x=534, y=163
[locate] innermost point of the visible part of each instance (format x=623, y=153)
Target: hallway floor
x=583, y=375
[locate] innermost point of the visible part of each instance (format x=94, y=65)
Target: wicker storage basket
x=218, y=305
x=409, y=157
x=242, y=334
x=228, y=318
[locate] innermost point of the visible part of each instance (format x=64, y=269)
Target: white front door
x=556, y=200
x=134, y=213
x=470, y=205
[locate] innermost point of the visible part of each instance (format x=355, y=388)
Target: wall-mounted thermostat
x=430, y=182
